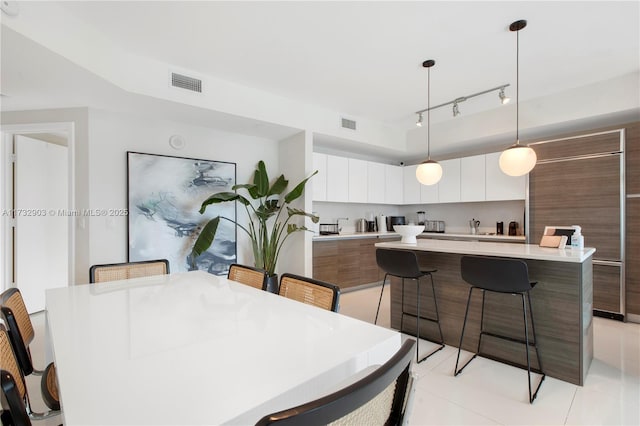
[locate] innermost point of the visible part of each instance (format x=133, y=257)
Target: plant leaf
x=261, y=180
x=292, y=227
x=298, y=212
x=205, y=239
x=278, y=186
x=223, y=197
x=298, y=190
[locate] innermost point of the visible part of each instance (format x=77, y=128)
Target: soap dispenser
x=577, y=239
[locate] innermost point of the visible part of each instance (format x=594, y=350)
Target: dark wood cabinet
x=347, y=262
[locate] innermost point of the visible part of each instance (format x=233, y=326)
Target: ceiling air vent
x=186, y=82
x=348, y=124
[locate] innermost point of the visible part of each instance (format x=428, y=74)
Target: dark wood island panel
x=561, y=302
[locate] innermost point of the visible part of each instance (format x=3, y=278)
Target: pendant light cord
x=428, y=114
x=518, y=87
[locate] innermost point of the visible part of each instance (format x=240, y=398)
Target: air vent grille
x=348, y=124
x=186, y=82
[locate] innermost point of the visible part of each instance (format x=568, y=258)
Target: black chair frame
x=344, y=401
x=265, y=281
x=20, y=350
x=92, y=269
x=335, y=301
x=526, y=341
x=414, y=273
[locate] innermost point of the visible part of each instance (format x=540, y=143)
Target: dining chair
x=126, y=270
x=20, y=333
x=254, y=277
x=383, y=397
x=14, y=390
x=310, y=291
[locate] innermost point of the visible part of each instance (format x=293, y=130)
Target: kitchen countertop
x=424, y=235
x=520, y=251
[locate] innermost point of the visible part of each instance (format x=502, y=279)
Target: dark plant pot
x=272, y=283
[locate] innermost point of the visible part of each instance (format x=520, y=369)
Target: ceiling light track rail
x=464, y=98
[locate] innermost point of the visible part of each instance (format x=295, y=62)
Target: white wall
x=296, y=164
x=111, y=135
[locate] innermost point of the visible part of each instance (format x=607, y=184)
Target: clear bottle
x=577, y=239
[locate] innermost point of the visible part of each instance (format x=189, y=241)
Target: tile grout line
x=566, y=419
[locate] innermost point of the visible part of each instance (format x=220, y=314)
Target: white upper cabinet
x=472, y=178
x=357, y=181
x=411, y=185
x=319, y=181
x=393, y=191
x=375, y=183
x=500, y=186
x=337, y=178
x=449, y=185
x=429, y=193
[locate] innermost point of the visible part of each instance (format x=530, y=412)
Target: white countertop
x=441, y=235
x=521, y=251
x=193, y=348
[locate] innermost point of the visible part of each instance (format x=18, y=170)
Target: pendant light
x=517, y=160
x=429, y=172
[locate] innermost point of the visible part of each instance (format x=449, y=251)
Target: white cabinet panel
x=375, y=183
x=429, y=193
x=472, y=178
x=319, y=181
x=411, y=185
x=449, y=185
x=357, y=181
x=393, y=191
x=337, y=178
x=500, y=186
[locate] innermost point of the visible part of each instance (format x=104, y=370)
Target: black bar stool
x=404, y=264
x=511, y=276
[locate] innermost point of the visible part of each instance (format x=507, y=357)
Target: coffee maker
x=513, y=228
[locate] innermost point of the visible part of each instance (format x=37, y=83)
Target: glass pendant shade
x=429, y=172
x=517, y=160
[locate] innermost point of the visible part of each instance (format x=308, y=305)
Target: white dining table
x=193, y=348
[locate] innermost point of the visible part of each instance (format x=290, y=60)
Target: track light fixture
x=456, y=102
x=419, y=122
x=517, y=160
x=503, y=98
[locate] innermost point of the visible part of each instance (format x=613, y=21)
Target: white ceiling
x=360, y=58
x=364, y=58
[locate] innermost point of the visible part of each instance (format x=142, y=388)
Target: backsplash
x=455, y=215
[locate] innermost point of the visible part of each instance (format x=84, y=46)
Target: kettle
x=361, y=225
x=473, y=225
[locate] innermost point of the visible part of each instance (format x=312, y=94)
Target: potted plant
x=269, y=218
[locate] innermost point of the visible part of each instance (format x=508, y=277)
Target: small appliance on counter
x=328, y=229
x=362, y=225
x=474, y=225
x=513, y=228
x=395, y=220
x=499, y=228
x=382, y=223
x=434, y=226
x=422, y=217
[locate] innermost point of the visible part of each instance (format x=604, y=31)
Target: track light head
x=419, y=122
x=503, y=98
x=456, y=110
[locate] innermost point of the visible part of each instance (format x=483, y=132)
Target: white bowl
x=408, y=232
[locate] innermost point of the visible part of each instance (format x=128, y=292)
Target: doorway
x=37, y=210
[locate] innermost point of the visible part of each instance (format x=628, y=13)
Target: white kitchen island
x=562, y=303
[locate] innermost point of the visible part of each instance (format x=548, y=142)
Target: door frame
x=7, y=133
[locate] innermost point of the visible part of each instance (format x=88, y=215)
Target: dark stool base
x=532, y=393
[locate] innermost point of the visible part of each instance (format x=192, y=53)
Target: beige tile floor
x=490, y=393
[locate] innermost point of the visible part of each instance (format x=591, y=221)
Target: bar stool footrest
x=509, y=338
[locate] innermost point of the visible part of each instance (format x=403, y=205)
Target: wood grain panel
x=606, y=292
x=632, y=154
x=348, y=263
x=369, y=272
x=632, y=263
x=581, y=192
x=577, y=145
x=562, y=325
x=325, y=254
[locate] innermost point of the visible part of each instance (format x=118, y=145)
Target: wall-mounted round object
x=177, y=142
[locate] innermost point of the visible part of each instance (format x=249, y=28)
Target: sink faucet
x=338, y=222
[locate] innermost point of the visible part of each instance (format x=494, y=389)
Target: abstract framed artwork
x=164, y=194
